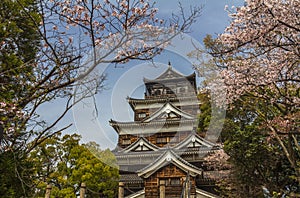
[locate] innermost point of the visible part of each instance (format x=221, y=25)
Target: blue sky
x=213, y=19
x=127, y=80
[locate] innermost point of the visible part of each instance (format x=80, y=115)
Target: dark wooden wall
x=174, y=181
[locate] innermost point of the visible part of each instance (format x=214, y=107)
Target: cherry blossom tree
x=73, y=37
x=70, y=31
x=258, y=57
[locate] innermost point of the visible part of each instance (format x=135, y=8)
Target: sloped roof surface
x=142, y=144
x=166, y=158
x=168, y=110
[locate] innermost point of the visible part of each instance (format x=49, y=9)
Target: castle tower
x=159, y=153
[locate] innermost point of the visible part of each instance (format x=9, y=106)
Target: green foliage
x=256, y=163
x=205, y=115
x=19, y=42
x=15, y=174
x=64, y=163
x=256, y=159
x=19, y=39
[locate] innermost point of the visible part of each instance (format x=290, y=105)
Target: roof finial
x=169, y=63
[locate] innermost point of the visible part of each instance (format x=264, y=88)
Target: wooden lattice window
x=126, y=141
x=142, y=115
x=173, y=182
x=161, y=140
x=182, y=90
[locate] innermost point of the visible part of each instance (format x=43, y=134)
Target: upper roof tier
x=137, y=103
x=170, y=74
x=170, y=84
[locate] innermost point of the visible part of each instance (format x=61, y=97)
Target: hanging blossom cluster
x=286, y=124
x=261, y=48
x=11, y=118
x=8, y=110
x=217, y=160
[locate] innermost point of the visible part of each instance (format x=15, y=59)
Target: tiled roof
x=130, y=178
x=168, y=108
x=163, y=99
x=139, y=144
x=194, y=140
x=169, y=74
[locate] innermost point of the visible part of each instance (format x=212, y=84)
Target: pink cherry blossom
x=260, y=56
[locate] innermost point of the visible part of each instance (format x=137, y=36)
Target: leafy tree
x=257, y=165
x=264, y=62
x=256, y=162
x=15, y=171
x=19, y=44
x=205, y=115
x=66, y=164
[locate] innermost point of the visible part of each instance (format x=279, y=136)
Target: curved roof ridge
x=169, y=73
x=140, y=123
x=168, y=107
x=128, y=98
x=169, y=156
x=194, y=138
x=141, y=141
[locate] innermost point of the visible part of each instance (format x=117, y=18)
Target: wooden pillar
x=162, y=189
x=186, y=191
x=48, y=191
x=121, y=190
x=82, y=190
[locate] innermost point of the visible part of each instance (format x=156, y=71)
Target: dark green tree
x=65, y=164
x=256, y=161
x=19, y=43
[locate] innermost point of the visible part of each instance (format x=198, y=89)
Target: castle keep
x=159, y=153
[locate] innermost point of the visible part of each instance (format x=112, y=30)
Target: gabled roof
x=142, y=144
x=182, y=100
x=138, y=127
x=194, y=141
x=205, y=194
x=168, y=111
x=169, y=157
x=138, y=194
x=130, y=178
x=170, y=73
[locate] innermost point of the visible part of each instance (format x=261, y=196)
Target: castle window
x=157, y=92
x=126, y=141
x=161, y=140
x=173, y=182
x=182, y=89
x=169, y=91
x=142, y=115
